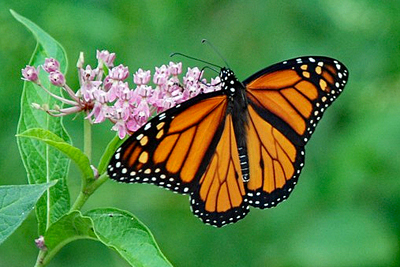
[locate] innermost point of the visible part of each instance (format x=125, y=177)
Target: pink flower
x=106, y=57
x=175, y=68
x=144, y=91
x=121, y=128
x=160, y=78
x=100, y=112
x=89, y=89
x=192, y=76
x=88, y=74
x=141, y=92
x=124, y=92
x=121, y=122
x=163, y=69
x=108, y=82
x=114, y=90
x=168, y=103
x=191, y=91
x=132, y=125
x=142, y=110
x=141, y=77
x=173, y=86
x=100, y=96
x=119, y=72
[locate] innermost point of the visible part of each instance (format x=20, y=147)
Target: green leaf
x=116, y=229
x=121, y=231
x=16, y=201
x=69, y=227
x=108, y=152
x=75, y=154
x=42, y=162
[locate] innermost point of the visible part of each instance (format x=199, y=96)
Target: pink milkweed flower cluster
x=105, y=93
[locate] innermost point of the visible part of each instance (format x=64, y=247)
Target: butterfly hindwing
x=220, y=197
x=275, y=162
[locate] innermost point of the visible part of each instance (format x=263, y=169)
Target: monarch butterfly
x=238, y=147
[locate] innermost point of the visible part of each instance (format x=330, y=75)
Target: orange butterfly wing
x=172, y=149
x=286, y=101
x=219, y=199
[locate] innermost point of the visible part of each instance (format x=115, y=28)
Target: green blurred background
x=345, y=211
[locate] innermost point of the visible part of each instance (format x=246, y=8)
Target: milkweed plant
x=106, y=93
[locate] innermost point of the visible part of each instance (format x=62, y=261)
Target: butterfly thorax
x=229, y=83
x=237, y=105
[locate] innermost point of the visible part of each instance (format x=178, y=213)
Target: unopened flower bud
x=81, y=61
x=36, y=106
x=30, y=73
x=57, y=78
x=51, y=64
x=40, y=243
x=95, y=171
x=45, y=107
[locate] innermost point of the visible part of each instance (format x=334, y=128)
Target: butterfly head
x=229, y=82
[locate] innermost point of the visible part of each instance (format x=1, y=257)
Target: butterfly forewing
x=286, y=101
x=295, y=93
x=173, y=147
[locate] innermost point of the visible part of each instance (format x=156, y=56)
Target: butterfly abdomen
x=237, y=108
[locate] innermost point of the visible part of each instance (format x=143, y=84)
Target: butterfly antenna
x=202, y=70
x=208, y=67
x=197, y=59
x=215, y=50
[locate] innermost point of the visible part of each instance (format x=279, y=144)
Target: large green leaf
x=123, y=232
x=116, y=229
x=42, y=162
x=16, y=201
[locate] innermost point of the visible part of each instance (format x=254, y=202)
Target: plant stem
x=87, y=139
x=40, y=258
x=80, y=200
x=87, y=149
x=96, y=183
x=88, y=190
